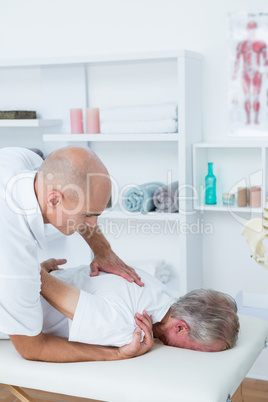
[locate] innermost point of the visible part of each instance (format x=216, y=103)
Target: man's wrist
x=96, y=240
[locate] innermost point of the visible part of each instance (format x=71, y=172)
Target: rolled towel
x=139, y=198
x=163, y=275
x=140, y=127
x=166, y=198
x=163, y=111
x=156, y=268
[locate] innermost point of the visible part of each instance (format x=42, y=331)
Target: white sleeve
x=20, y=307
x=97, y=322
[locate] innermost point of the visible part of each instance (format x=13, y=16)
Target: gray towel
x=166, y=198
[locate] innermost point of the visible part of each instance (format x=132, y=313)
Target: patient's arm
x=60, y=295
x=51, y=348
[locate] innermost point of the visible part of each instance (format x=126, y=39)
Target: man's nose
x=91, y=221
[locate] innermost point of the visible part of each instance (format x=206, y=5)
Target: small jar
x=228, y=199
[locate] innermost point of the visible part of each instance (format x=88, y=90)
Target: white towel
x=140, y=127
x=156, y=268
x=163, y=111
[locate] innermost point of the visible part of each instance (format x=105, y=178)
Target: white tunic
x=21, y=231
x=106, y=308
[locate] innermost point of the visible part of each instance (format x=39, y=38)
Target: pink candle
x=255, y=197
x=93, y=120
x=76, y=121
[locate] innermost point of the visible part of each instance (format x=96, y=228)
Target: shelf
x=109, y=137
x=150, y=216
x=101, y=58
x=231, y=144
x=29, y=123
x=226, y=208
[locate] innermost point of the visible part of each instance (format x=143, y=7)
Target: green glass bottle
x=210, y=182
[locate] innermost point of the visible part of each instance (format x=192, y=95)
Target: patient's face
x=177, y=334
x=192, y=345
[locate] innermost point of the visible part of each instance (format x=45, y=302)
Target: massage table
x=163, y=374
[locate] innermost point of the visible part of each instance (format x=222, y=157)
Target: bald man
x=70, y=189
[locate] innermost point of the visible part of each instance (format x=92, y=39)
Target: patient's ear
x=182, y=326
x=54, y=198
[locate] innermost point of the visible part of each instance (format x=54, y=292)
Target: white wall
x=30, y=29
x=49, y=28
x=46, y=28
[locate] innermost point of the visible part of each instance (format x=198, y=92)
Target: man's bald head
x=73, y=183
x=72, y=165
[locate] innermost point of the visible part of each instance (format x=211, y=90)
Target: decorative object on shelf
x=247, y=100
x=76, y=116
x=17, y=114
x=157, y=268
x=160, y=118
x=139, y=198
x=255, y=197
x=93, y=121
x=146, y=127
x=228, y=199
x=166, y=198
x=242, y=196
x=210, y=186
x=255, y=231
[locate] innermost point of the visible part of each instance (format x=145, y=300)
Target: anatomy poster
x=248, y=74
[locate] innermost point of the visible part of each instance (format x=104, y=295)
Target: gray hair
x=210, y=315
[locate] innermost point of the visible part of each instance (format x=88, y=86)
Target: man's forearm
x=95, y=239
x=51, y=348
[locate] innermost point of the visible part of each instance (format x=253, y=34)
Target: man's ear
x=182, y=326
x=54, y=198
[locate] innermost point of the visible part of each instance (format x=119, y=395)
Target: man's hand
x=52, y=264
x=109, y=262
x=136, y=347
x=104, y=258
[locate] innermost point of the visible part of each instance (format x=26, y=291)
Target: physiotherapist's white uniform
x=21, y=233
x=107, y=306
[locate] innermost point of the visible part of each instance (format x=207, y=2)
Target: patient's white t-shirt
x=106, y=308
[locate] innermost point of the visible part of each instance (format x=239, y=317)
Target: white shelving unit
x=235, y=164
x=131, y=79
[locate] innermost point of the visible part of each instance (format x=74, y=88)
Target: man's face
x=79, y=209
x=78, y=216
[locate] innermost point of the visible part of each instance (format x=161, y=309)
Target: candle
x=93, y=120
x=242, y=196
x=76, y=121
x=255, y=197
